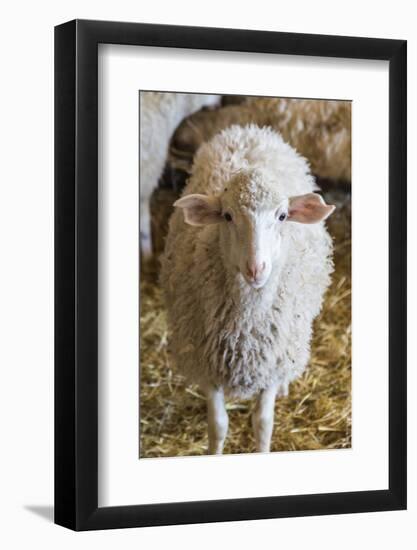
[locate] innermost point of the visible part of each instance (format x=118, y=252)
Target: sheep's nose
x=254, y=270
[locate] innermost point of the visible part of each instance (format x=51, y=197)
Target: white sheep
x=242, y=281
x=160, y=114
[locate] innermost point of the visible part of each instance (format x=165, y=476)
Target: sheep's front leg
x=218, y=421
x=263, y=419
x=145, y=231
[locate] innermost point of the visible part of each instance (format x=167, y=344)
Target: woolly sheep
x=319, y=130
x=240, y=321
x=160, y=114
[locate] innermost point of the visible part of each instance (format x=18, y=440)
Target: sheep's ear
x=309, y=208
x=200, y=209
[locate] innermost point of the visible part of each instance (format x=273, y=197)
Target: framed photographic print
x=230, y=252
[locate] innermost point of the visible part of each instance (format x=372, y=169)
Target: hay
x=315, y=415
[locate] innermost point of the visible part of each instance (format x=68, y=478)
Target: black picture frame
x=76, y=272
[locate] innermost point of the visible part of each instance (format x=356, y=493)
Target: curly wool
x=222, y=331
x=319, y=130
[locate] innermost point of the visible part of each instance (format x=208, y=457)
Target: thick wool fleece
x=318, y=130
x=222, y=331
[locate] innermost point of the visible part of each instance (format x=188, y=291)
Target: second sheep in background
x=160, y=114
x=318, y=130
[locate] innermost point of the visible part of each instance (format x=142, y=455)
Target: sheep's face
x=251, y=216
x=251, y=239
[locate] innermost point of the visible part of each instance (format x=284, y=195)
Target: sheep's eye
x=228, y=217
x=282, y=217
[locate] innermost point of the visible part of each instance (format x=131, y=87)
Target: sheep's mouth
x=255, y=283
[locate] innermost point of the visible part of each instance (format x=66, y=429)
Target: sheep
x=246, y=263
x=160, y=114
x=319, y=130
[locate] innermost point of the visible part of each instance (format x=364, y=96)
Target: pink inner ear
x=309, y=208
x=200, y=209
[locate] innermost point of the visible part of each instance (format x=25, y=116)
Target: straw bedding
x=317, y=412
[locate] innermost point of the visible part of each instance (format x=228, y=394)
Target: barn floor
x=317, y=412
